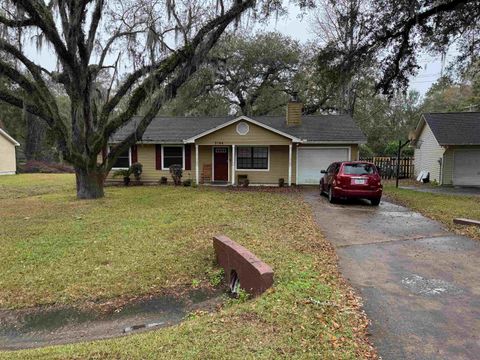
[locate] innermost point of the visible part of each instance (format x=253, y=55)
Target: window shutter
x=158, y=157
x=134, y=154
x=188, y=157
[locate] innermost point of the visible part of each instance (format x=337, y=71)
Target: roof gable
x=460, y=128
x=315, y=129
x=242, y=118
x=9, y=138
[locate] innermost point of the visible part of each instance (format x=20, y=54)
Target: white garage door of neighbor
x=312, y=160
x=466, y=167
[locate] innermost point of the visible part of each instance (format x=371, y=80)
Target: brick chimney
x=294, y=111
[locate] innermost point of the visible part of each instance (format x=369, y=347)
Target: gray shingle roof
x=314, y=128
x=461, y=128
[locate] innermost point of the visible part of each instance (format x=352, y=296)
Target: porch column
x=197, y=171
x=290, y=165
x=233, y=164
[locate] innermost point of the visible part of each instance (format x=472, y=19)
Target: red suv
x=352, y=179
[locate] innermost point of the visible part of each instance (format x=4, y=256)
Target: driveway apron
x=420, y=284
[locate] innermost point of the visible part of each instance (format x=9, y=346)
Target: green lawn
x=441, y=207
x=143, y=240
x=25, y=185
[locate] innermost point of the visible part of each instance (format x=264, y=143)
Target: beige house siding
x=355, y=153
x=278, y=168
x=205, y=158
x=256, y=136
x=146, y=156
x=228, y=136
x=8, y=163
x=428, y=154
x=278, y=157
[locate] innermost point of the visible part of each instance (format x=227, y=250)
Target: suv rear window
x=358, y=169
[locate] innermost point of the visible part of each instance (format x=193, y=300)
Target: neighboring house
x=225, y=150
x=8, y=162
x=447, y=145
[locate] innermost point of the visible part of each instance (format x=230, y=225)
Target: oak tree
x=112, y=58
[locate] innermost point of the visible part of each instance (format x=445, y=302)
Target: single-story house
x=226, y=150
x=447, y=146
x=8, y=161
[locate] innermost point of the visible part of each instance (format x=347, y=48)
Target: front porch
x=220, y=164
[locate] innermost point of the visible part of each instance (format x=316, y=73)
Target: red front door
x=220, y=164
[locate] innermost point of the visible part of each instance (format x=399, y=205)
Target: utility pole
x=399, y=152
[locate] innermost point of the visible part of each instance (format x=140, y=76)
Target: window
x=123, y=161
x=172, y=155
x=358, y=169
x=255, y=158
x=333, y=168
x=242, y=128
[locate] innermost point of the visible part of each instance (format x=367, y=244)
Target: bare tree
x=94, y=42
x=341, y=27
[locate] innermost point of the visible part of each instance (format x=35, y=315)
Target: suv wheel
x=332, y=199
x=375, y=202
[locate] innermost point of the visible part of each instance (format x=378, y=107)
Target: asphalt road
x=420, y=284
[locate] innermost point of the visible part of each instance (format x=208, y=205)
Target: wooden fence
x=388, y=166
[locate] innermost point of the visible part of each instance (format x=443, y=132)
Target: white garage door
x=466, y=168
x=312, y=160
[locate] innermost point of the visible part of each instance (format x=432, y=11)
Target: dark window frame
x=253, y=162
x=122, y=156
x=182, y=147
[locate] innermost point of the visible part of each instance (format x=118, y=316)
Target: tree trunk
x=89, y=184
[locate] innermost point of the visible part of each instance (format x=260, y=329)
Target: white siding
x=8, y=163
x=427, y=156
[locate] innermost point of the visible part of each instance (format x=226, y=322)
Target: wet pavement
x=420, y=284
x=61, y=325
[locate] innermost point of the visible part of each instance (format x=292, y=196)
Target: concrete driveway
x=420, y=284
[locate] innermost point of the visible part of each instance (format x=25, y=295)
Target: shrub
x=366, y=151
x=241, y=179
x=37, y=166
x=177, y=173
x=187, y=182
x=136, y=169
x=281, y=182
x=163, y=180
x=245, y=183
x=125, y=173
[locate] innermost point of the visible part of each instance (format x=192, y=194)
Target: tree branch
x=96, y=16
x=13, y=100
x=16, y=23
x=41, y=16
x=110, y=42
x=191, y=56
